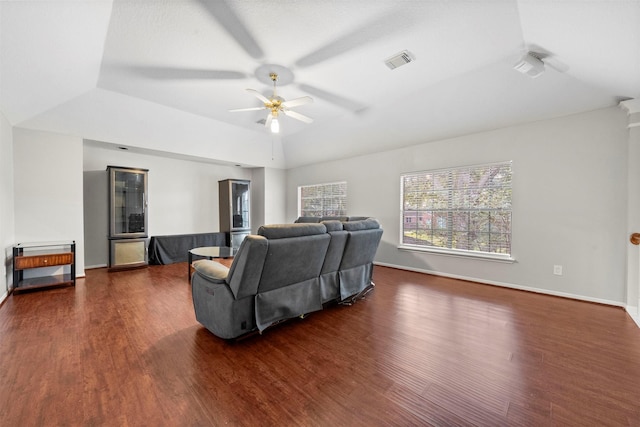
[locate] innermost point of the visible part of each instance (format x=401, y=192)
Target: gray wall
x=48, y=189
x=96, y=218
x=183, y=195
x=6, y=208
x=569, y=202
x=274, y=191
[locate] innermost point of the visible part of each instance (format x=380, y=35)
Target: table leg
x=190, y=260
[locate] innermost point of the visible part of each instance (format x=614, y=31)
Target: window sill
x=459, y=254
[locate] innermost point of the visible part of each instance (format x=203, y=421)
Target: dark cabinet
x=128, y=217
x=235, y=212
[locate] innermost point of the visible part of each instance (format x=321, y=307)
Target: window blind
x=323, y=199
x=462, y=209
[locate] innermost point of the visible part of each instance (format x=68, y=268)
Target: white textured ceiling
x=162, y=74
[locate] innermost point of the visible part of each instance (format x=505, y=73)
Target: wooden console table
x=40, y=255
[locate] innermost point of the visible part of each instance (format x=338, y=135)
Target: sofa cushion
x=246, y=269
x=329, y=287
x=333, y=225
x=212, y=270
x=292, y=260
x=335, y=218
x=307, y=219
x=282, y=231
x=365, y=224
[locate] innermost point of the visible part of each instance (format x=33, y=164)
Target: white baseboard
x=89, y=267
x=634, y=314
x=506, y=285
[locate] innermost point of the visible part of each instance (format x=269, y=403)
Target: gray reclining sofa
x=285, y=271
x=307, y=219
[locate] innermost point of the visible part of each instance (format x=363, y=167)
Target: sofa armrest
x=211, y=270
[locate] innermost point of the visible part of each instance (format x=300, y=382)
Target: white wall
x=48, y=189
x=258, y=182
x=632, y=107
x=267, y=197
x=183, y=195
x=6, y=207
x=569, y=202
x=275, y=197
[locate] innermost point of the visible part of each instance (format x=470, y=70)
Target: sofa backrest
x=356, y=268
x=295, y=253
x=362, y=244
x=334, y=218
x=336, y=246
x=329, y=283
x=357, y=218
x=307, y=219
x=246, y=269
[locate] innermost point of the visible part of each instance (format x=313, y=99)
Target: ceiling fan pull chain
x=274, y=78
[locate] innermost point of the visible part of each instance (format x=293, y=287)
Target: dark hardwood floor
x=124, y=349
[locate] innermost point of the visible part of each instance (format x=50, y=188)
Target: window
x=462, y=210
x=323, y=199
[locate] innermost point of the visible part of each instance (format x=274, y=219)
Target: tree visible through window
x=323, y=199
x=461, y=209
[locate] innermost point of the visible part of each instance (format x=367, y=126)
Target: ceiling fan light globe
x=275, y=126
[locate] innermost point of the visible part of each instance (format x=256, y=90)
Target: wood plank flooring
x=124, y=349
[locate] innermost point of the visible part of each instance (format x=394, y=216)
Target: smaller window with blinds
x=465, y=210
x=323, y=199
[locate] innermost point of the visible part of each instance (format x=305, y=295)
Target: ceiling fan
x=276, y=105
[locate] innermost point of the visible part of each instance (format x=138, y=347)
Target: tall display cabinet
x=128, y=217
x=235, y=213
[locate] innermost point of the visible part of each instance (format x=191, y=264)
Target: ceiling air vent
x=399, y=59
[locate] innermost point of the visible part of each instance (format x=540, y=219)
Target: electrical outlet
x=557, y=270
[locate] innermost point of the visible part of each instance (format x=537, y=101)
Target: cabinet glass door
x=240, y=205
x=128, y=203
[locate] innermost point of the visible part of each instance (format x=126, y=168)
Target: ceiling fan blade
x=297, y=116
x=260, y=96
x=556, y=64
x=247, y=109
x=297, y=101
x=377, y=28
x=347, y=104
x=267, y=122
x=226, y=17
x=177, y=73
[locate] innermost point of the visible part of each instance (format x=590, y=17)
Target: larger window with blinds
x=465, y=210
x=323, y=199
